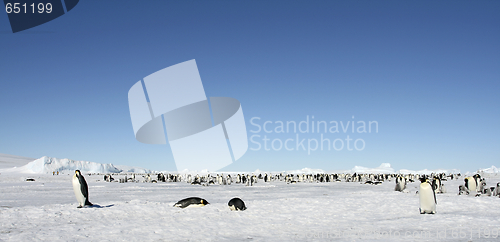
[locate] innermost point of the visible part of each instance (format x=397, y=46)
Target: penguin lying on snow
x=427, y=197
x=81, y=190
x=191, y=202
x=236, y=204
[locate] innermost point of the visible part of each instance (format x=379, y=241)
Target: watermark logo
x=319, y=132
x=28, y=14
x=202, y=133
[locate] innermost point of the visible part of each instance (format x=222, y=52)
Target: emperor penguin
x=477, y=178
x=400, y=184
x=462, y=190
x=481, y=185
x=191, y=202
x=442, y=189
x=436, y=184
x=236, y=204
x=81, y=190
x=470, y=183
x=487, y=191
x=496, y=191
x=427, y=197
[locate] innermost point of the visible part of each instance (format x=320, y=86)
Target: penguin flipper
x=83, y=187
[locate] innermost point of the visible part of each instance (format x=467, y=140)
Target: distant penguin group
x=475, y=185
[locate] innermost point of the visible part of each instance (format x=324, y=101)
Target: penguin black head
x=77, y=172
x=204, y=202
x=423, y=179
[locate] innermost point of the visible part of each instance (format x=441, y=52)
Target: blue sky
x=428, y=72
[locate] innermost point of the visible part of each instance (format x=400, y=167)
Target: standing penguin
x=496, y=190
x=443, y=189
x=427, y=197
x=477, y=178
x=236, y=204
x=400, y=184
x=470, y=183
x=81, y=190
x=436, y=184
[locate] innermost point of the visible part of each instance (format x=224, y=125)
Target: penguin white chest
x=427, y=198
x=78, y=191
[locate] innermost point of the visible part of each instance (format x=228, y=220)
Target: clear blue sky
x=427, y=71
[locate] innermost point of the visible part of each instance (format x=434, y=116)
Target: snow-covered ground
x=46, y=209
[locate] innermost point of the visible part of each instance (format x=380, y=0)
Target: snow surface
x=46, y=209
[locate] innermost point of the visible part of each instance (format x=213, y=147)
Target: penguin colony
x=429, y=186
x=475, y=185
